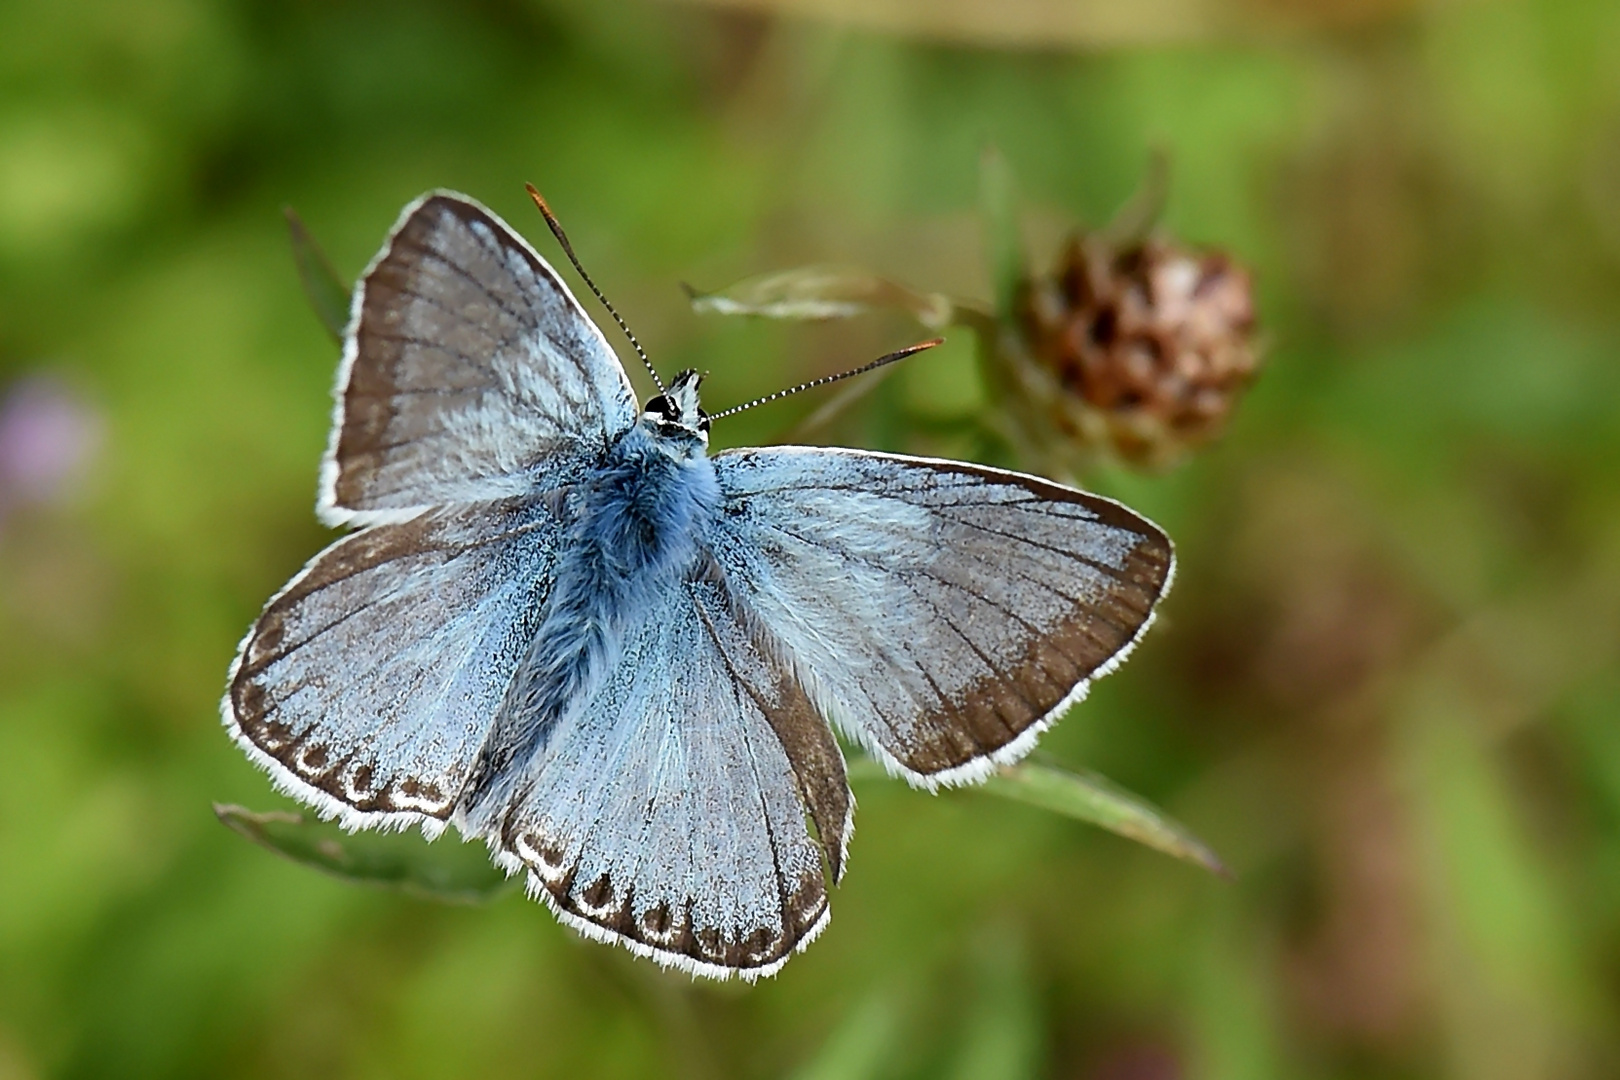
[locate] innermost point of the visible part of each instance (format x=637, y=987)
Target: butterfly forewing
x=470, y=373
x=943, y=613
x=667, y=813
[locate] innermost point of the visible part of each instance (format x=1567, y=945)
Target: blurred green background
x=1386, y=687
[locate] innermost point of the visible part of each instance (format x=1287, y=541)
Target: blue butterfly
x=562, y=627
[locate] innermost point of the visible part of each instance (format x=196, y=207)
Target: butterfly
x=560, y=625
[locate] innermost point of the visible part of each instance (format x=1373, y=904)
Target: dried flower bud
x=1149, y=344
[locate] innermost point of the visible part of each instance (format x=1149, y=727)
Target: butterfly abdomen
x=636, y=531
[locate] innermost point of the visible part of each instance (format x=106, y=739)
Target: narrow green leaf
x=328, y=294
x=1085, y=796
x=1001, y=1031
x=446, y=871
x=1136, y=219
x=824, y=292
x=864, y=1044
x=1092, y=797
x=998, y=209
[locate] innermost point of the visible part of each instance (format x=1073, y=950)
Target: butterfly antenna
x=900, y=354
x=568, y=249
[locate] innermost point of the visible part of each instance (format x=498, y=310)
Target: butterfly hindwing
x=942, y=613
x=368, y=684
x=470, y=373
x=668, y=813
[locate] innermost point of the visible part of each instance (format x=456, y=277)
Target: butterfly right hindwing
x=668, y=812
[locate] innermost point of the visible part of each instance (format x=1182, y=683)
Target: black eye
x=662, y=406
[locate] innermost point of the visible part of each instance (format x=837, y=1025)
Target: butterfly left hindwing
x=368, y=684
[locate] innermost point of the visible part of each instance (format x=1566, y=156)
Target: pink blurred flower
x=48, y=436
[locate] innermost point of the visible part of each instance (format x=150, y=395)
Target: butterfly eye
x=661, y=407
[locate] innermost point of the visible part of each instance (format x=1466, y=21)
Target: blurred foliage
x=328, y=294
x=1385, y=689
x=449, y=872
x=410, y=863
x=826, y=292
x=1076, y=23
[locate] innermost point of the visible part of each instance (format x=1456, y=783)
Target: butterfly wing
x=669, y=813
x=470, y=373
x=369, y=682
x=942, y=613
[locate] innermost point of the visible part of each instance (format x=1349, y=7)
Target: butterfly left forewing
x=942, y=613
x=469, y=373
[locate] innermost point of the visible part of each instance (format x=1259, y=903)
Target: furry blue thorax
x=636, y=527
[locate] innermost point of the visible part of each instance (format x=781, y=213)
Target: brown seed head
x=1151, y=344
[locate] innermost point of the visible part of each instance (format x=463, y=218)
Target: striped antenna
x=568, y=249
x=825, y=379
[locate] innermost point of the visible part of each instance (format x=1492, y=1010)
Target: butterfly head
x=675, y=416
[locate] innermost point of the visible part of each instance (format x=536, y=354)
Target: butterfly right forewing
x=942, y=613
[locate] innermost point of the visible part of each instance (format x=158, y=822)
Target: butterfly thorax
x=639, y=519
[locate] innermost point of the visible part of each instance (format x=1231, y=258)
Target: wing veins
x=765, y=816
x=395, y=593
x=738, y=681
x=940, y=511
x=461, y=271
x=1084, y=560
x=281, y=654
x=1034, y=632
x=503, y=248
x=427, y=344
x=547, y=276
x=1076, y=601
x=460, y=316
x=534, y=325
x=378, y=448
x=472, y=643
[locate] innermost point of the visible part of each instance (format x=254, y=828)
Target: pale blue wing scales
x=665, y=813
x=368, y=684
x=942, y=613
x=470, y=373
